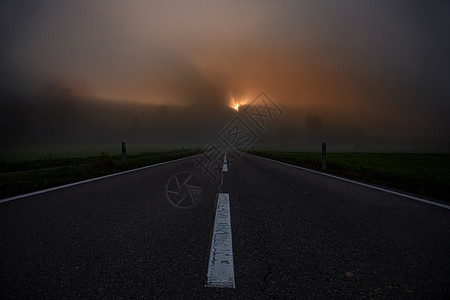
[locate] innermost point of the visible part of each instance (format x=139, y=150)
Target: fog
x=358, y=74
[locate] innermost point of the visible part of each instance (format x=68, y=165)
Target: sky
x=380, y=68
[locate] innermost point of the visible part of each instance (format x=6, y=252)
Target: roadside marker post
x=324, y=156
x=124, y=152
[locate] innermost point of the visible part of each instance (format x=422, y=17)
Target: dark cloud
x=86, y=71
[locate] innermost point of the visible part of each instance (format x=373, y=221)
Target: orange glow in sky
x=326, y=58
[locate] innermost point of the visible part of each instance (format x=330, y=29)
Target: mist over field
x=357, y=74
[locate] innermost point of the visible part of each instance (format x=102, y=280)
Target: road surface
x=295, y=234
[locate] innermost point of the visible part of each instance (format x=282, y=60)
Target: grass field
x=24, y=176
x=419, y=173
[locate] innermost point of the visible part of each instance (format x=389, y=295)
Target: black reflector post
x=124, y=152
x=324, y=156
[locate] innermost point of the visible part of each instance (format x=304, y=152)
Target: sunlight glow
x=236, y=107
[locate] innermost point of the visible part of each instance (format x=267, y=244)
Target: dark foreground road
x=295, y=234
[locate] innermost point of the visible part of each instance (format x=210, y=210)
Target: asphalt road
x=295, y=234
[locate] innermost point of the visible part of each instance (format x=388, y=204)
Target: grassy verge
x=419, y=173
x=27, y=176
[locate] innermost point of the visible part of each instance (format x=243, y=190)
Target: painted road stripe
x=220, y=267
x=359, y=183
x=225, y=163
x=90, y=180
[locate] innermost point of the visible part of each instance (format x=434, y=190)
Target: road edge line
x=358, y=183
x=90, y=180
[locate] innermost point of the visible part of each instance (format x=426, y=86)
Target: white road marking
x=89, y=180
x=360, y=183
x=225, y=163
x=221, y=267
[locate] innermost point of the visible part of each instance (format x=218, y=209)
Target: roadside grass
x=27, y=176
x=34, y=153
x=418, y=173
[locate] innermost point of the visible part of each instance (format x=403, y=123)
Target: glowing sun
x=236, y=106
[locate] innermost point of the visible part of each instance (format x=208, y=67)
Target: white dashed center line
x=225, y=163
x=220, y=266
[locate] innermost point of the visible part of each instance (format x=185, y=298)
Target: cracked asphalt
x=295, y=235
